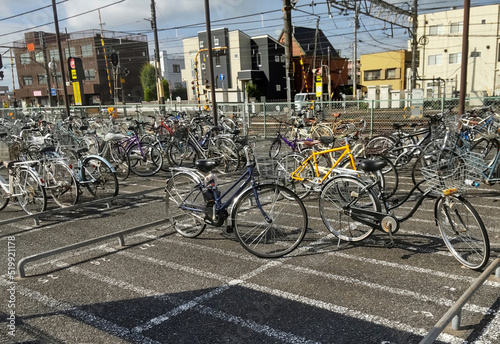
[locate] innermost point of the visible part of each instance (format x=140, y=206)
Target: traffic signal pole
x=210, y=61
x=159, y=78
x=61, y=58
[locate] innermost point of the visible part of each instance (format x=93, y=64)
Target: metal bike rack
x=454, y=313
x=120, y=235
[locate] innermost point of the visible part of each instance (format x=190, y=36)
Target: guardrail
x=120, y=234
x=454, y=313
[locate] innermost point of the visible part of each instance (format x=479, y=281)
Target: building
x=385, y=69
x=440, y=52
x=311, y=50
x=39, y=73
x=171, y=70
x=238, y=60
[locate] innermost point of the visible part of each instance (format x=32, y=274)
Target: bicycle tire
x=29, y=192
x=289, y=164
x=488, y=149
x=184, y=187
x=147, y=163
x=226, y=152
x=463, y=231
x=181, y=153
x=380, y=145
x=274, y=149
x=162, y=146
x=101, y=181
x=4, y=196
x=321, y=131
x=61, y=183
x=425, y=160
x=338, y=192
x=282, y=233
x=119, y=160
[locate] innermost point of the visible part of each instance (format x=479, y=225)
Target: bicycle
x=352, y=211
x=95, y=173
x=58, y=177
x=294, y=144
x=266, y=223
x=18, y=180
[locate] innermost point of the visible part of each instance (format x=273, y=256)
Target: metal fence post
x=372, y=113
x=265, y=121
x=455, y=322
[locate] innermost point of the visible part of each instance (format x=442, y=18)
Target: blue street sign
x=53, y=91
x=222, y=76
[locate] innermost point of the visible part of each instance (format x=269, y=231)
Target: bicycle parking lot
x=163, y=288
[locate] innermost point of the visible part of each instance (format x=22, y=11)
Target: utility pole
x=329, y=77
x=414, y=46
x=41, y=37
x=210, y=61
x=355, y=52
x=61, y=59
x=465, y=55
x=287, y=31
x=159, y=78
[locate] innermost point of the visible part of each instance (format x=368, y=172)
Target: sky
x=178, y=19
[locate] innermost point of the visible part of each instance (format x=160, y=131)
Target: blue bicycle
x=268, y=220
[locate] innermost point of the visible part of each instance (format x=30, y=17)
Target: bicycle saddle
x=205, y=165
x=113, y=136
x=326, y=140
x=369, y=165
x=48, y=149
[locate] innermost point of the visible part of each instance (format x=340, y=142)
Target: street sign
x=53, y=92
x=72, y=63
x=222, y=76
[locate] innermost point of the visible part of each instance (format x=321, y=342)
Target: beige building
x=440, y=52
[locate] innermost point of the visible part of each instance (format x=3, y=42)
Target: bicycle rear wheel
x=337, y=193
x=145, y=159
x=99, y=178
x=281, y=232
x=275, y=147
x=182, y=194
x=4, y=198
x=463, y=231
x=119, y=160
x=30, y=192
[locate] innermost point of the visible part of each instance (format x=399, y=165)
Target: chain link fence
x=263, y=119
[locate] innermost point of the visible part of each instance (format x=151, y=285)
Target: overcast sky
x=178, y=19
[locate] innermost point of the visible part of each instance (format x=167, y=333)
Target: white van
x=303, y=100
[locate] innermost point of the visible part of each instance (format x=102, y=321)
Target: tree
x=148, y=81
x=253, y=90
x=166, y=89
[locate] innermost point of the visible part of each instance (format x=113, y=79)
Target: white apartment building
x=171, y=68
x=440, y=52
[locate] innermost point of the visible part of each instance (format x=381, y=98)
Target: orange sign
x=30, y=46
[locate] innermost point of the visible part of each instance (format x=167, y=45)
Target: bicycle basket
x=460, y=172
x=181, y=132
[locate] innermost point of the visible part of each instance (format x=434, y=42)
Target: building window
x=236, y=56
x=483, y=21
x=216, y=42
x=54, y=55
x=278, y=88
x=217, y=60
x=372, y=74
x=203, y=66
x=277, y=58
x=25, y=58
x=456, y=27
x=392, y=73
x=178, y=85
x=201, y=44
x=39, y=57
x=87, y=51
x=27, y=80
x=69, y=52
x=436, y=30
x=434, y=60
x=89, y=74
x=475, y=54
x=282, y=58
x=455, y=58
x=176, y=68
x=259, y=59
x=42, y=79
x=58, y=77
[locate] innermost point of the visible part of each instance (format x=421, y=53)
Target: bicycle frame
x=346, y=152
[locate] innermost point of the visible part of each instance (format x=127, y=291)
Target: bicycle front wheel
x=463, y=231
x=184, y=204
x=61, y=183
x=4, y=196
x=341, y=192
x=270, y=220
x=99, y=178
x=29, y=192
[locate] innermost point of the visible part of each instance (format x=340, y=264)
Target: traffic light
x=1, y=75
x=114, y=59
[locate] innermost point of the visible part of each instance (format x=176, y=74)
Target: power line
x=31, y=11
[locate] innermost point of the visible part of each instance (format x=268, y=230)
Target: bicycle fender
x=98, y=157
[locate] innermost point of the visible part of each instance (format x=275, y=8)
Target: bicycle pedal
x=389, y=244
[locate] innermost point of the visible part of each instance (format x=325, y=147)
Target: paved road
x=163, y=288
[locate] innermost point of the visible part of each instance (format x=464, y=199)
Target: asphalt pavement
x=163, y=288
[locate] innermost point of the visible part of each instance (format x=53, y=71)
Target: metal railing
x=454, y=313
